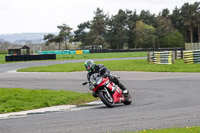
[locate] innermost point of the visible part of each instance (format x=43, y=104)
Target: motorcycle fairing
x=117, y=96
x=117, y=92
x=103, y=83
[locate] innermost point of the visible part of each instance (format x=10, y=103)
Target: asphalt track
x=160, y=100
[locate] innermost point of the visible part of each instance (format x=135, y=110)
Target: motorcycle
x=109, y=92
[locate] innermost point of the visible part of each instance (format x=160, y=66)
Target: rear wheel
x=128, y=99
x=106, y=98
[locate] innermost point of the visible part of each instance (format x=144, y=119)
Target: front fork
x=108, y=96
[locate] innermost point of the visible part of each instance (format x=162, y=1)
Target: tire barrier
x=65, y=52
x=10, y=58
x=192, y=56
x=164, y=57
x=79, y=51
x=72, y=52
x=179, y=54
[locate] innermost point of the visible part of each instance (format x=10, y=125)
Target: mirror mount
x=85, y=82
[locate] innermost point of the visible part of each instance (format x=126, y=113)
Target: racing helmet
x=89, y=65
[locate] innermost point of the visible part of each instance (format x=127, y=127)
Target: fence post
x=148, y=56
x=176, y=54
x=173, y=57
x=181, y=54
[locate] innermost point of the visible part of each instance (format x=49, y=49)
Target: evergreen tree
x=117, y=31
x=81, y=34
x=51, y=38
x=176, y=19
x=148, y=18
x=132, y=19
x=64, y=34
x=188, y=14
x=164, y=26
x=197, y=18
x=165, y=13
x=127, y=28
x=96, y=35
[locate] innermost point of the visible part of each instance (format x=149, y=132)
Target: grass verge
x=171, y=130
x=2, y=58
x=101, y=55
x=16, y=99
x=90, y=56
x=120, y=65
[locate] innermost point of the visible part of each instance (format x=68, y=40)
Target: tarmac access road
x=160, y=100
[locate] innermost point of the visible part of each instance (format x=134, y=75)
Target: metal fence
x=192, y=46
x=134, y=50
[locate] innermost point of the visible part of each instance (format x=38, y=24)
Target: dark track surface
x=160, y=100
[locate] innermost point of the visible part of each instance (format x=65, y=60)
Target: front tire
x=128, y=99
x=106, y=98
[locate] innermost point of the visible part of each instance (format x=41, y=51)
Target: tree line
x=128, y=29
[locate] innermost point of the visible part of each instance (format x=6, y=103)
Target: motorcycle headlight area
x=99, y=81
x=91, y=87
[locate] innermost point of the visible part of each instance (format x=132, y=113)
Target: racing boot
x=124, y=90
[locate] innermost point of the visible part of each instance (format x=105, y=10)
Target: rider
x=92, y=68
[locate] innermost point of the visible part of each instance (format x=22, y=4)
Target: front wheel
x=106, y=98
x=128, y=99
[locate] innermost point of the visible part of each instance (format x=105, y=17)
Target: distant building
x=19, y=50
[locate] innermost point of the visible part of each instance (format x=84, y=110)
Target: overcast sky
x=22, y=16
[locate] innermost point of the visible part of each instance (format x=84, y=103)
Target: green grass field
x=2, y=58
x=3, y=51
x=171, y=130
x=120, y=65
x=13, y=100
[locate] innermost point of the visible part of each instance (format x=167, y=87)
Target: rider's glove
x=113, y=78
x=107, y=75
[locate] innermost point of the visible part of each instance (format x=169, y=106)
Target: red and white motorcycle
x=109, y=92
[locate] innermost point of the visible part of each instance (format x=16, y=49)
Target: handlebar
x=85, y=82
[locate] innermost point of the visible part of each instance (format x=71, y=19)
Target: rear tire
x=128, y=99
x=107, y=100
